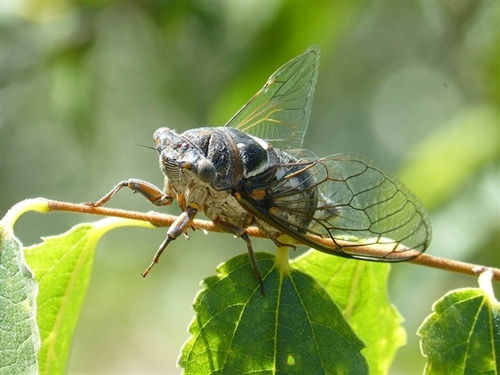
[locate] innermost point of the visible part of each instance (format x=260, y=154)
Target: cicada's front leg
x=151, y=192
x=176, y=229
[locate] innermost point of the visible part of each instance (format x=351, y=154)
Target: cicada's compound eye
x=206, y=171
x=160, y=134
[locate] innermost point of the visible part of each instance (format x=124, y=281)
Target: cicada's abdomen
x=293, y=193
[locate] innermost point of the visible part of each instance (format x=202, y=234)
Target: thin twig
x=166, y=220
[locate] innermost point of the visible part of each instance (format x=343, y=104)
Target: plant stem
x=166, y=220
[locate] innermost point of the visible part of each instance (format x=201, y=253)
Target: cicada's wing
x=355, y=209
x=279, y=112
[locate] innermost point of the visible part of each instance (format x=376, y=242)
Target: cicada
x=253, y=172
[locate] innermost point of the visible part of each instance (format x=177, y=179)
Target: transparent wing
x=279, y=112
x=359, y=210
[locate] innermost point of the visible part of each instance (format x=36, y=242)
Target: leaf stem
x=166, y=220
x=282, y=260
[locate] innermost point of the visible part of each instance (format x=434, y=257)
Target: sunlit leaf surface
x=360, y=291
x=62, y=266
x=295, y=329
x=462, y=335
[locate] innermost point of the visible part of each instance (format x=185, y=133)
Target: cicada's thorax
x=243, y=164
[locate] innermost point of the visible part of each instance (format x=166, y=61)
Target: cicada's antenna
x=145, y=146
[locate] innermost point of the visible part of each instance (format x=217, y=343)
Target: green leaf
x=19, y=337
x=62, y=266
x=462, y=335
x=295, y=329
x=360, y=290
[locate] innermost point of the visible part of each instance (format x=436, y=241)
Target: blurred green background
x=414, y=85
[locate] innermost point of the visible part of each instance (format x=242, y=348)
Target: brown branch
x=166, y=220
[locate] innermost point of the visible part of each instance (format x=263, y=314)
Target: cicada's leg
x=176, y=229
x=152, y=193
x=240, y=232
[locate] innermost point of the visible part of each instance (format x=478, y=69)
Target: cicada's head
x=178, y=156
